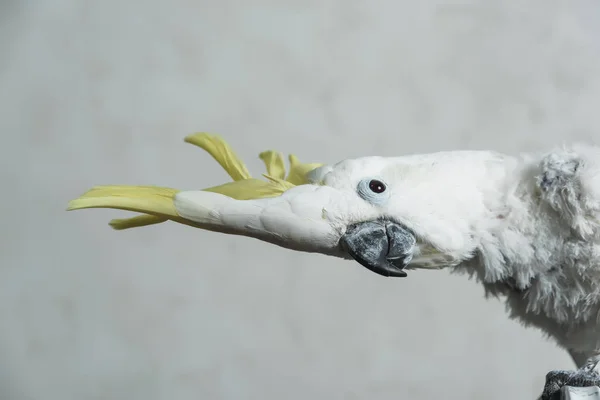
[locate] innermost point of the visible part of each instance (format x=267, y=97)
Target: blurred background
x=104, y=92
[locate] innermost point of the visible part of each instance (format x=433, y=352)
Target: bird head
x=387, y=213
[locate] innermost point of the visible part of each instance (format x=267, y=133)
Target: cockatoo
x=526, y=227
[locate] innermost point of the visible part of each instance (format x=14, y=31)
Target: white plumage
x=526, y=227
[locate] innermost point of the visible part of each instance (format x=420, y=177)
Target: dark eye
x=374, y=191
x=376, y=186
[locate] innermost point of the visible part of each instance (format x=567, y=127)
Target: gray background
x=103, y=92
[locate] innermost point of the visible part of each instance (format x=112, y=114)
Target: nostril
x=351, y=228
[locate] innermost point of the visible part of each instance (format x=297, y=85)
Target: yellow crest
x=156, y=203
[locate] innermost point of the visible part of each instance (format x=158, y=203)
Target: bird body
x=527, y=227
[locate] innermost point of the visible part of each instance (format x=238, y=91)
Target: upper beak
x=383, y=247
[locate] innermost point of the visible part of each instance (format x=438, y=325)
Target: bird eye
x=373, y=190
x=376, y=186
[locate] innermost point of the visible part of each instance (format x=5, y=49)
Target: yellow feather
x=279, y=184
x=146, y=199
x=248, y=189
x=222, y=153
x=153, y=200
x=274, y=162
x=156, y=203
x=136, y=222
x=298, y=171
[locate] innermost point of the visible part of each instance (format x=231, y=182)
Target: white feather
x=296, y=220
x=528, y=228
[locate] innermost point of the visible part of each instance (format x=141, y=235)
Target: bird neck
x=531, y=251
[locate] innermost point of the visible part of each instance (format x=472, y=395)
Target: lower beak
x=381, y=246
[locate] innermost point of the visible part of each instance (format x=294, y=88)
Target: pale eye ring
x=373, y=190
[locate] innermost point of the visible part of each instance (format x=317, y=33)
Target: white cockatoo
x=527, y=227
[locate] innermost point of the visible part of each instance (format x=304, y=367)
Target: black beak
x=380, y=246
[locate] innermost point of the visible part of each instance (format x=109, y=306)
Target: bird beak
x=383, y=247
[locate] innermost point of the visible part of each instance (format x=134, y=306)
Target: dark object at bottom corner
x=555, y=380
